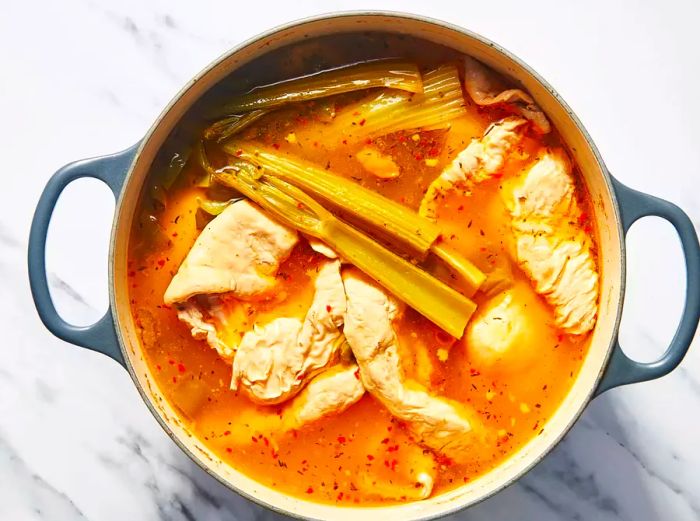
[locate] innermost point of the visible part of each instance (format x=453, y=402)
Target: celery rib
x=393, y=74
x=388, y=217
x=383, y=216
x=389, y=111
x=442, y=305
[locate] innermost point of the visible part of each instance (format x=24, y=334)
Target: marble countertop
x=87, y=77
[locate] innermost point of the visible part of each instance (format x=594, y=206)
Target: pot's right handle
x=621, y=369
x=100, y=336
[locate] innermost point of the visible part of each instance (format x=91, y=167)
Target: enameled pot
x=616, y=207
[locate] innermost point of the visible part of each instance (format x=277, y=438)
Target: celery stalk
x=388, y=217
x=389, y=111
x=379, y=214
x=394, y=74
x=447, y=308
x=226, y=127
x=462, y=271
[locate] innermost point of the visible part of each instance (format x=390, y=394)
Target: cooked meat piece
x=487, y=88
x=331, y=392
x=275, y=361
x=239, y=251
x=191, y=314
x=321, y=247
x=482, y=159
x=443, y=425
x=508, y=331
x=551, y=246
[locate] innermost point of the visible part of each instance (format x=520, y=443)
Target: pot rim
x=398, y=15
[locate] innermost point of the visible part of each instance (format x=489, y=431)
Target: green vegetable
x=398, y=223
x=461, y=271
x=214, y=207
x=224, y=128
x=390, y=111
x=394, y=74
x=432, y=298
x=386, y=218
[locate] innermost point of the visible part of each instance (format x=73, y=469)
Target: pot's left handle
x=621, y=369
x=100, y=336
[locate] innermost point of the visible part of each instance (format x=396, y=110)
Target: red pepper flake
x=370, y=457
x=402, y=139
x=362, y=122
x=418, y=157
x=255, y=440
x=328, y=308
x=345, y=141
x=158, y=367
x=385, y=441
x=341, y=439
x=131, y=274
x=357, y=373
x=174, y=379
x=171, y=361
x=239, y=153
x=181, y=368
x=227, y=433
x=161, y=262
x=460, y=208
x=229, y=450
x=443, y=460
x=369, y=141
x=473, y=372
x=393, y=448
x=340, y=496
x=393, y=464
x=276, y=146
x=356, y=113
x=418, y=484
x=310, y=490
x=300, y=206
x=266, y=441
x=174, y=234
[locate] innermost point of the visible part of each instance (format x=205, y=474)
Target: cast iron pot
x=616, y=207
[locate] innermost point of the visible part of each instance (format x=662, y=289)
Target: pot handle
x=100, y=336
x=621, y=370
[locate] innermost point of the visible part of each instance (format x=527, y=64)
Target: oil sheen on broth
x=526, y=321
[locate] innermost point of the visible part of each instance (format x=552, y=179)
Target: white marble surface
x=87, y=77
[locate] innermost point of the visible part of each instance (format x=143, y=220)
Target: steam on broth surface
x=368, y=285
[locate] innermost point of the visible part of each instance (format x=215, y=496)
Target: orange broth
x=348, y=458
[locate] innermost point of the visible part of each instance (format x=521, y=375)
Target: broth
x=353, y=457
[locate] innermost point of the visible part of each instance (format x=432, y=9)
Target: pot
x=616, y=207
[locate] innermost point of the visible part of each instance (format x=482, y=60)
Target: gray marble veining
x=87, y=77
